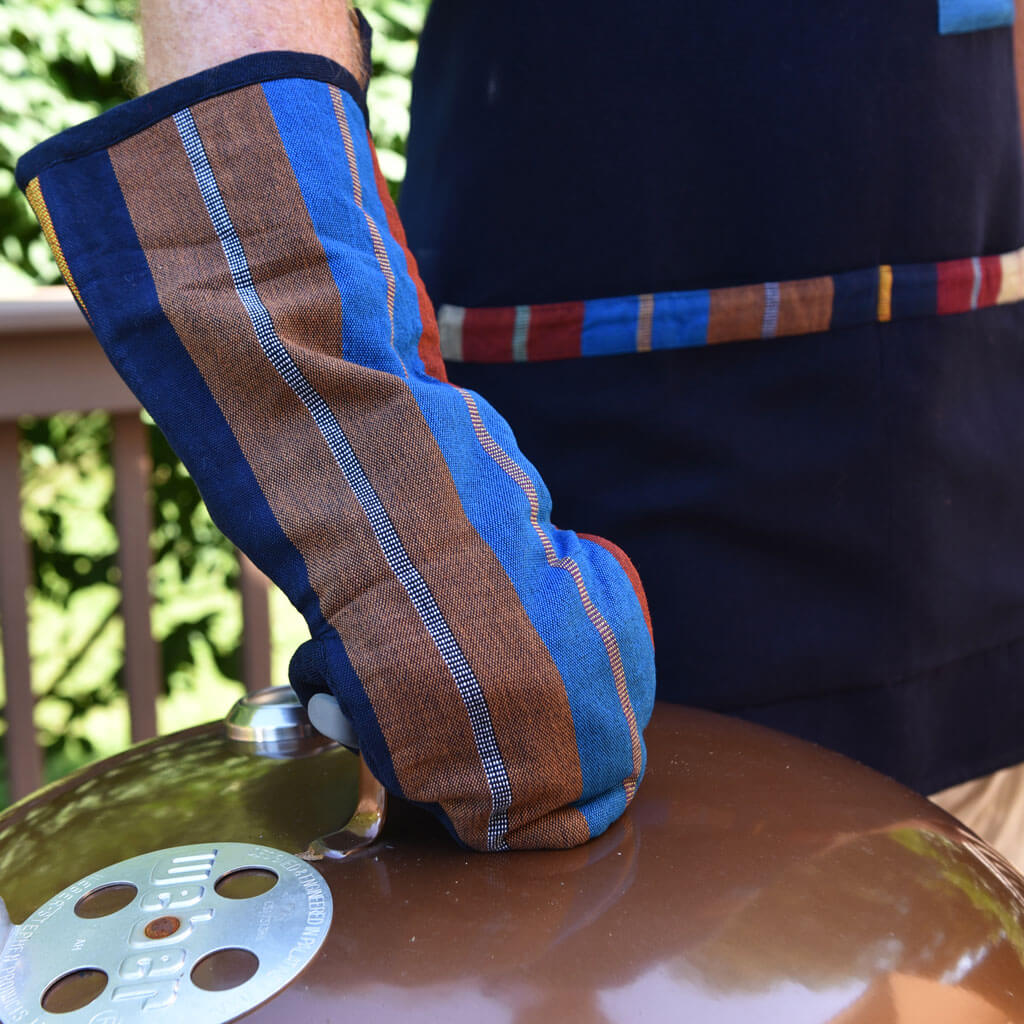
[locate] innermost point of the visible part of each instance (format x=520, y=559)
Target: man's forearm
x=181, y=37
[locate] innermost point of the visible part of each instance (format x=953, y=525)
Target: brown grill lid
x=755, y=877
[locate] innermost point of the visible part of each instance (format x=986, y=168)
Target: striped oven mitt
x=232, y=243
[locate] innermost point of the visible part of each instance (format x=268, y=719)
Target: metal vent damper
x=198, y=933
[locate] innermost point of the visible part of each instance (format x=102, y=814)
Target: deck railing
x=51, y=363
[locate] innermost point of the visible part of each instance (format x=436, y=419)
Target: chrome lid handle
x=273, y=723
x=363, y=827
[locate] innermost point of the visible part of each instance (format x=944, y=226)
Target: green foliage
x=396, y=28
x=61, y=62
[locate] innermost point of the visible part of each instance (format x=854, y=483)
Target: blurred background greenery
x=62, y=61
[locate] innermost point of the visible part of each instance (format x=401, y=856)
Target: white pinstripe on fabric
x=383, y=529
x=770, y=319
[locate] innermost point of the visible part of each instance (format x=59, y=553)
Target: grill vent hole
x=245, y=883
x=224, y=969
x=74, y=990
x=106, y=900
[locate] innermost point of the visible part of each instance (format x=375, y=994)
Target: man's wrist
x=184, y=37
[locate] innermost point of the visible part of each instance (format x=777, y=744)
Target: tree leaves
x=61, y=62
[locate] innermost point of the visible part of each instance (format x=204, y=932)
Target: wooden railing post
x=24, y=761
x=255, y=589
x=132, y=469
x=50, y=363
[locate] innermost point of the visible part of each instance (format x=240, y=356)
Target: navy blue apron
x=829, y=524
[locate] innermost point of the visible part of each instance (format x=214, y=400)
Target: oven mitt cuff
x=232, y=243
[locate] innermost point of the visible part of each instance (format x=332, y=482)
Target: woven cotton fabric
x=232, y=243
x=775, y=309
